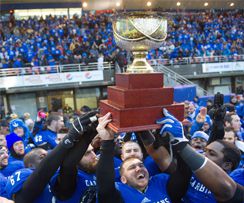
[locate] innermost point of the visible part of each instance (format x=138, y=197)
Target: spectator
x=233, y=120
x=46, y=137
x=199, y=141
x=219, y=179
x=230, y=135
x=18, y=127
x=42, y=166
x=100, y=62
x=202, y=122
x=3, y=141
x=6, y=167
x=53, y=40
x=16, y=147
x=28, y=122
x=67, y=109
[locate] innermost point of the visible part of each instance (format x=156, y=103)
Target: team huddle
x=91, y=163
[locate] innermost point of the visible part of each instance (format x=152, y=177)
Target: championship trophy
x=137, y=100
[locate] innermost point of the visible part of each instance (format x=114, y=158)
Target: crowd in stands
x=58, y=40
x=24, y=144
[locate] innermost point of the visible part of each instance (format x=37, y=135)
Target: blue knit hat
x=15, y=123
x=200, y=134
x=19, y=123
x=11, y=139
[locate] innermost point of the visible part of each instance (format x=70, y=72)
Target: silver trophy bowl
x=139, y=32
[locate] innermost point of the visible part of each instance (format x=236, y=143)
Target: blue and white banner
x=222, y=67
x=49, y=79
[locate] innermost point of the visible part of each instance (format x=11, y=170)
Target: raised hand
x=201, y=116
x=104, y=132
x=82, y=125
x=172, y=127
x=79, y=123
x=219, y=109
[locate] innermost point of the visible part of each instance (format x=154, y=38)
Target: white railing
x=197, y=60
x=53, y=69
x=109, y=65
x=172, y=78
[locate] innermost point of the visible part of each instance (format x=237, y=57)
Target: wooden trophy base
x=137, y=101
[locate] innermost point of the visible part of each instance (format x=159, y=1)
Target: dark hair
x=229, y=129
x=15, y=155
x=85, y=108
x=52, y=118
x=231, y=153
x=228, y=117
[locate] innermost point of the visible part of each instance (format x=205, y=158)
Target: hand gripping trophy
x=138, y=98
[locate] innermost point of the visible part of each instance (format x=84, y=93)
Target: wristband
x=193, y=159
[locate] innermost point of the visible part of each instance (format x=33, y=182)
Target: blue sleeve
x=240, y=110
x=117, y=162
x=151, y=166
x=54, y=179
x=238, y=176
x=161, y=179
x=195, y=127
x=51, y=141
x=3, y=182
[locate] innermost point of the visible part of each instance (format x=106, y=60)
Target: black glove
x=146, y=137
x=86, y=124
x=217, y=113
x=161, y=141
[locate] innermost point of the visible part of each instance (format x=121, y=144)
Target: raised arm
x=107, y=192
x=218, y=114
x=211, y=175
x=180, y=173
x=66, y=183
x=159, y=153
x=38, y=180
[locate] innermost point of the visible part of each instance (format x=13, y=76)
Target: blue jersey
x=151, y=166
x=11, y=168
x=11, y=159
x=45, y=137
x=198, y=193
x=3, y=182
x=83, y=180
x=238, y=176
x=117, y=163
x=155, y=192
x=16, y=181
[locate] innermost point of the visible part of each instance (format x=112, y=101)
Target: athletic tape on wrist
x=192, y=158
x=204, y=163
